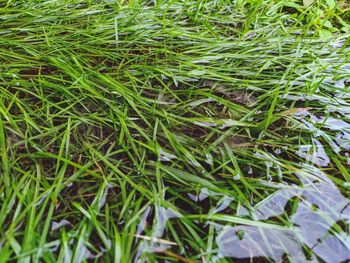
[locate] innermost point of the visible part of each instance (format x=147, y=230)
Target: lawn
x=174, y=131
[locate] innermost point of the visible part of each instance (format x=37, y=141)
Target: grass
x=189, y=131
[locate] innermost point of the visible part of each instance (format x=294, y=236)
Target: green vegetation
x=193, y=131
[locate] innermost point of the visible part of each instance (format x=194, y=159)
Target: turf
x=165, y=131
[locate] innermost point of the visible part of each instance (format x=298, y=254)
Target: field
x=174, y=131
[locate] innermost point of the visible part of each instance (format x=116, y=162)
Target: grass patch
x=191, y=131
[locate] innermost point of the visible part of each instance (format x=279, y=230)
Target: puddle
x=343, y=110
x=331, y=123
x=321, y=126
x=305, y=97
x=206, y=193
x=314, y=153
x=200, y=197
x=153, y=235
x=223, y=203
x=315, y=224
x=244, y=242
x=56, y=225
x=343, y=139
x=152, y=242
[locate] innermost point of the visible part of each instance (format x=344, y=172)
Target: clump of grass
x=152, y=130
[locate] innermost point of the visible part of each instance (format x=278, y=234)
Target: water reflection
x=320, y=222
x=314, y=153
x=315, y=123
x=153, y=243
x=315, y=229
x=252, y=242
